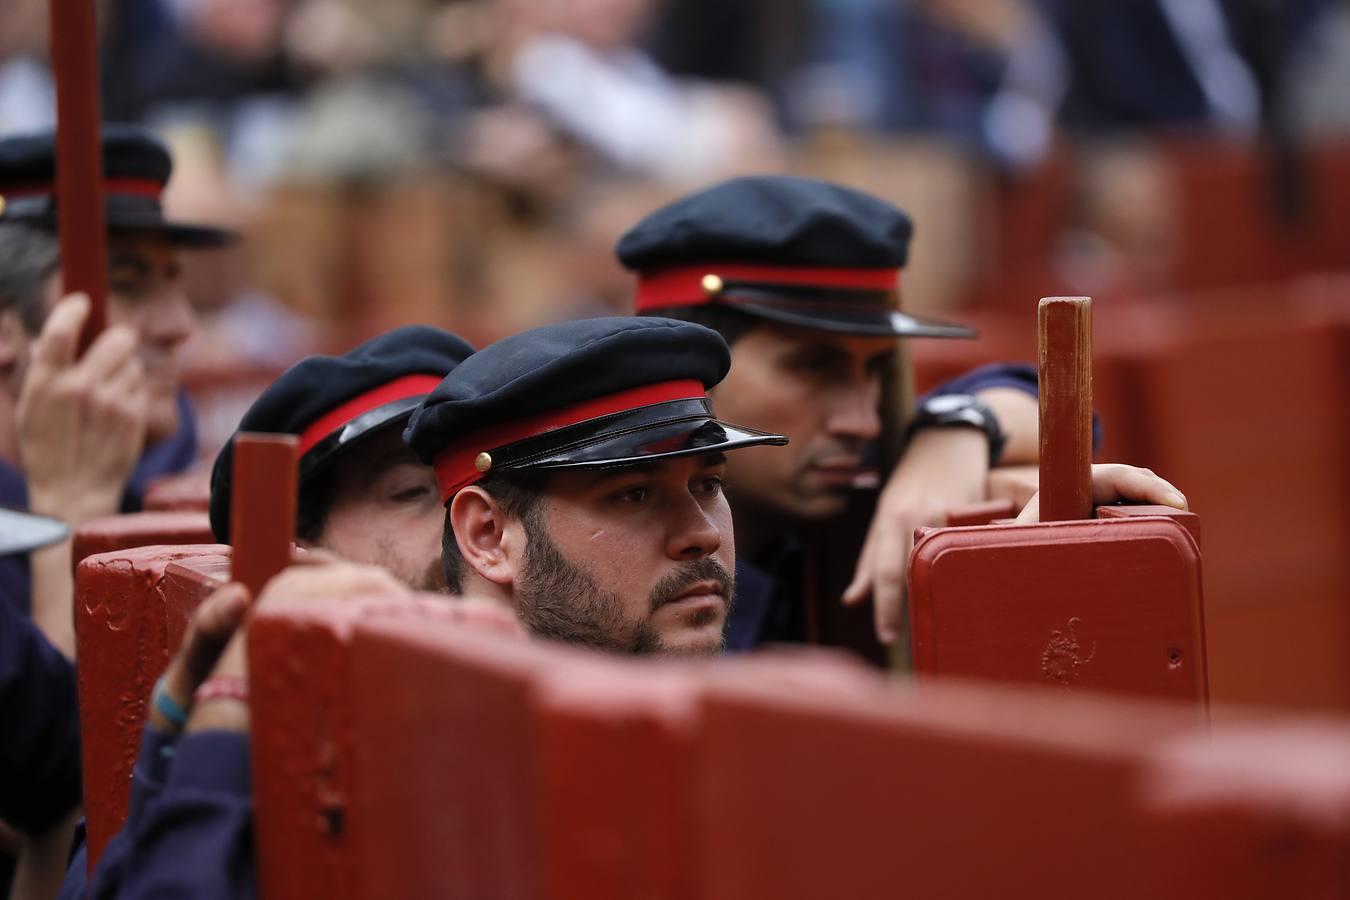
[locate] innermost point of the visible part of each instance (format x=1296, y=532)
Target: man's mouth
x=845, y=472
x=700, y=593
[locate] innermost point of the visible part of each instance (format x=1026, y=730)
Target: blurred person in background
x=987, y=74
x=27, y=92
x=81, y=437
x=583, y=66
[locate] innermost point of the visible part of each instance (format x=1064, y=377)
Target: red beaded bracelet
x=228, y=687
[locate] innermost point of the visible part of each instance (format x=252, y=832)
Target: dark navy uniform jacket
x=189, y=828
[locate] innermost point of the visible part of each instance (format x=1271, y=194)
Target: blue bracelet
x=167, y=706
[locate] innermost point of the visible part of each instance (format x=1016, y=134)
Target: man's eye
x=710, y=487
x=411, y=494
x=637, y=494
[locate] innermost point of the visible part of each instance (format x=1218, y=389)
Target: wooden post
x=79, y=159
x=1065, y=345
x=262, y=508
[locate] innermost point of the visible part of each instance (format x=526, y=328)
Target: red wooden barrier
x=318, y=831
x=1106, y=605
x=131, y=608
x=139, y=530
x=1112, y=605
x=79, y=170
x=397, y=753
x=966, y=792
x=262, y=506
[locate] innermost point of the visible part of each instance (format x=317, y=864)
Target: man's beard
x=559, y=600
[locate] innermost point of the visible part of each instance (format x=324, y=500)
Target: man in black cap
x=79, y=438
x=363, y=494
x=581, y=467
x=802, y=279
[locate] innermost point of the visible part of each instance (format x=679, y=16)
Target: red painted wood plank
x=1065, y=363
x=79, y=154
x=263, y=506
x=129, y=618
x=1112, y=605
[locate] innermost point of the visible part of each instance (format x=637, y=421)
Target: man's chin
x=702, y=648
x=161, y=424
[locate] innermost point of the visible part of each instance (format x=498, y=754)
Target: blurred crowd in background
x=470, y=163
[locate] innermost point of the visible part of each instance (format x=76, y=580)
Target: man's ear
x=485, y=539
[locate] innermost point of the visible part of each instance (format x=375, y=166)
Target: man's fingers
x=109, y=353
x=60, y=335
x=1118, y=482
x=888, y=588
x=1031, y=513
x=1114, y=482
x=215, y=622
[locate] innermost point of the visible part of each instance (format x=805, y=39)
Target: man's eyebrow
x=884, y=356
x=599, y=476
x=396, y=457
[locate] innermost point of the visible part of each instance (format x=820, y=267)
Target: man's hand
x=209, y=632
x=81, y=422
x=941, y=469
x=312, y=575
x=1114, y=482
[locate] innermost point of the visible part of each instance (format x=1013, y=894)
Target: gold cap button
x=482, y=462
x=712, y=285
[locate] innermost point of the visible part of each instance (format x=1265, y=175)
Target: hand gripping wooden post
x=79, y=159
x=262, y=506
x=1112, y=603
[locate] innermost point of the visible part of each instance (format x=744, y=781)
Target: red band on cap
x=141, y=187
x=398, y=389
x=685, y=286
x=455, y=466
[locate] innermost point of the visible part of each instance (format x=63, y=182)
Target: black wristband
x=960, y=411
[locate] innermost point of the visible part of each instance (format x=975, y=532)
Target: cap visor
x=885, y=323
x=22, y=532
x=355, y=433
x=659, y=441
x=176, y=233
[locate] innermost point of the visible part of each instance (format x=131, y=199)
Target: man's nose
x=694, y=533
x=853, y=413
x=169, y=318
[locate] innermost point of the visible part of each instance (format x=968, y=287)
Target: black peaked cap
x=28, y=184
x=771, y=219
x=532, y=374
x=318, y=385
x=558, y=365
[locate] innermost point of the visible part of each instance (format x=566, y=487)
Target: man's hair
x=28, y=257
x=315, y=503
x=732, y=324
x=518, y=494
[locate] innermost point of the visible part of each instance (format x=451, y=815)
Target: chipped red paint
x=130, y=614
